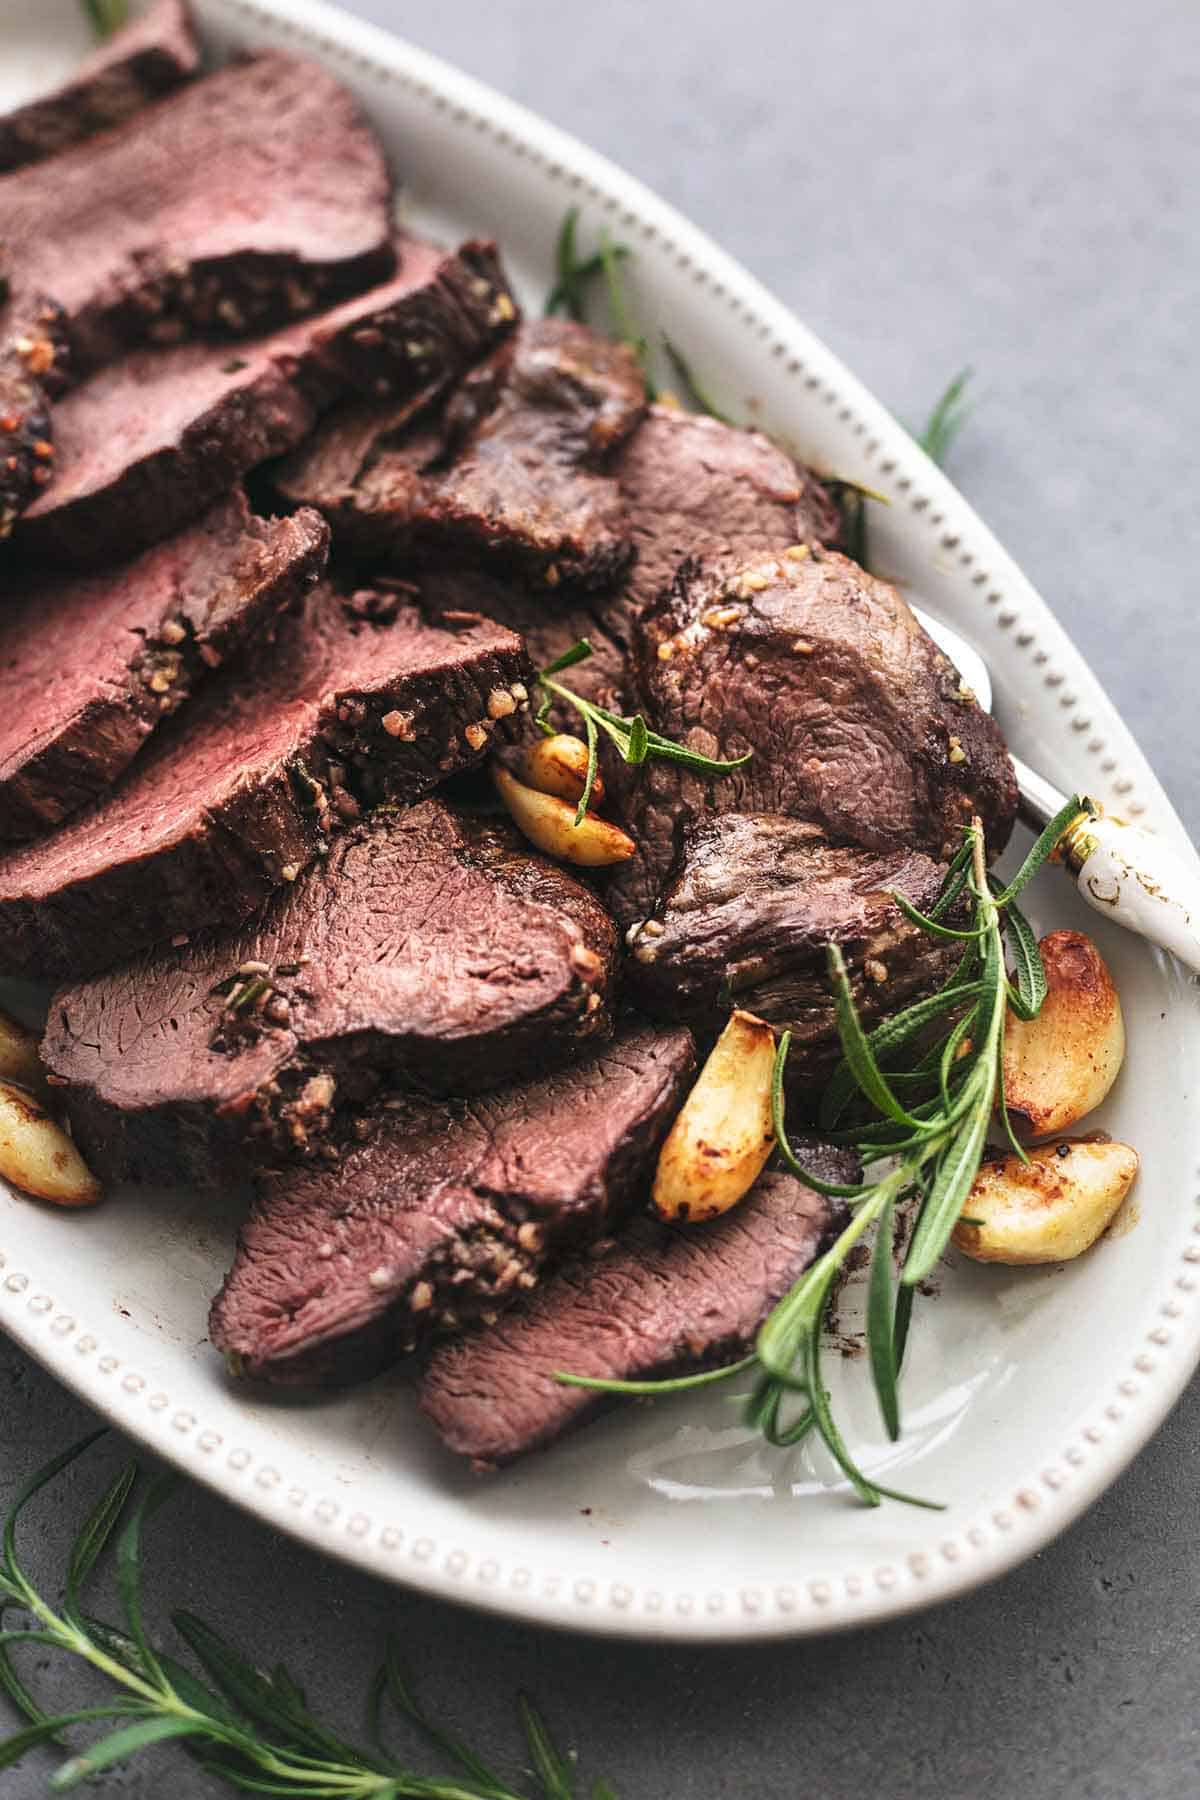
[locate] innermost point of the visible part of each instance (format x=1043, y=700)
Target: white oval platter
x=1027, y=1392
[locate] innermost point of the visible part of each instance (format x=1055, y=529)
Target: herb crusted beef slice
x=665, y=1300
x=856, y=720
x=427, y=951
x=442, y=1217
x=513, y=472
x=148, y=57
x=356, y=701
x=746, y=918
x=92, y=665
x=249, y=198
x=147, y=443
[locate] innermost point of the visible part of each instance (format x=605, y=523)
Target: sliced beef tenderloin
x=513, y=472
x=92, y=665
x=746, y=919
x=146, y=444
x=152, y=54
x=356, y=702
x=856, y=720
x=444, y=1215
x=427, y=951
x=248, y=198
x=665, y=1300
x=696, y=486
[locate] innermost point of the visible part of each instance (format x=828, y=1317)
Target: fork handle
x=1132, y=878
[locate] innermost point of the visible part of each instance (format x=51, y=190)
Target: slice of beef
x=248, y=198
x=746, y=918
x=856, y=720
x=91, y=666
x=152, y=54
x=444, y=1216
x=146, y=444
x=526, y=438
x=246, y=786
x=427, y=950
x=696, y=486
x=665, y=1300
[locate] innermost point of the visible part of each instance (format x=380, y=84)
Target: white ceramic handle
x=1136, y=881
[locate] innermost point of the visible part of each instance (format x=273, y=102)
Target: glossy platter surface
x=1027, y=1392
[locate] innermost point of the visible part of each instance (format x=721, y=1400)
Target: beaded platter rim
x=1098, y=1445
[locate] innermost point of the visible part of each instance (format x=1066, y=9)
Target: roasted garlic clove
x=19, y=1058
x=722, y=1137
x=1060, y=1065
x=1049, y=1209
x=558, y=765
x=37, y=1156
x=549, y=824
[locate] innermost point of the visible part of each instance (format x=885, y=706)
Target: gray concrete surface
x=928, y=185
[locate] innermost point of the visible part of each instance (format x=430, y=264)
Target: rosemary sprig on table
x=250, y=1729
x=946, y=420
x=932, y=1141
x=632, y=737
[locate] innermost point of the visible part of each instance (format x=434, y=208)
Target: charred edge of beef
x=855, y=719
x=444, y=1217
x=664, y=1301
x=91, y=667
x=512, y=471
x=427, y=952
x=746, y=921
x=144, y=60
x=358, y=703
x=207, y=214
x=147, y=443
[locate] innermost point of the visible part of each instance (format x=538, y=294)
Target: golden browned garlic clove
x=37, y=1156
x=19, y=1057
x=1060, y=1065
x=723, y=1135
x=1047, y=1210
x=549, y=824
x=558, y=765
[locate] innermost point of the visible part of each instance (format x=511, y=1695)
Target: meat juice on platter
x=315, y=548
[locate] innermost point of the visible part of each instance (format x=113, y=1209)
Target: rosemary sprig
x=927, y=1124
x=252, y=1730
x=946, y=420
x=632, y=736
x=106, y=16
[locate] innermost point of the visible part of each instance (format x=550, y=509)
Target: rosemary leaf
x=783, y=1142
x=579, y=652
x=117, y=1746
x=550, y=1766
x=946, y=420
x=632, y=738
x=129, y=1574
x=93, y=1538
x=48, y=1731
x=450, y=1746
x=1027, y=961
x=857, y=1049
x=952, y=1183
x=698, y=396
x=881, y=1323
x=890, y=1036
x=106, y=16
x=674, y=1384
x=593, y=764
x=1045, y=846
